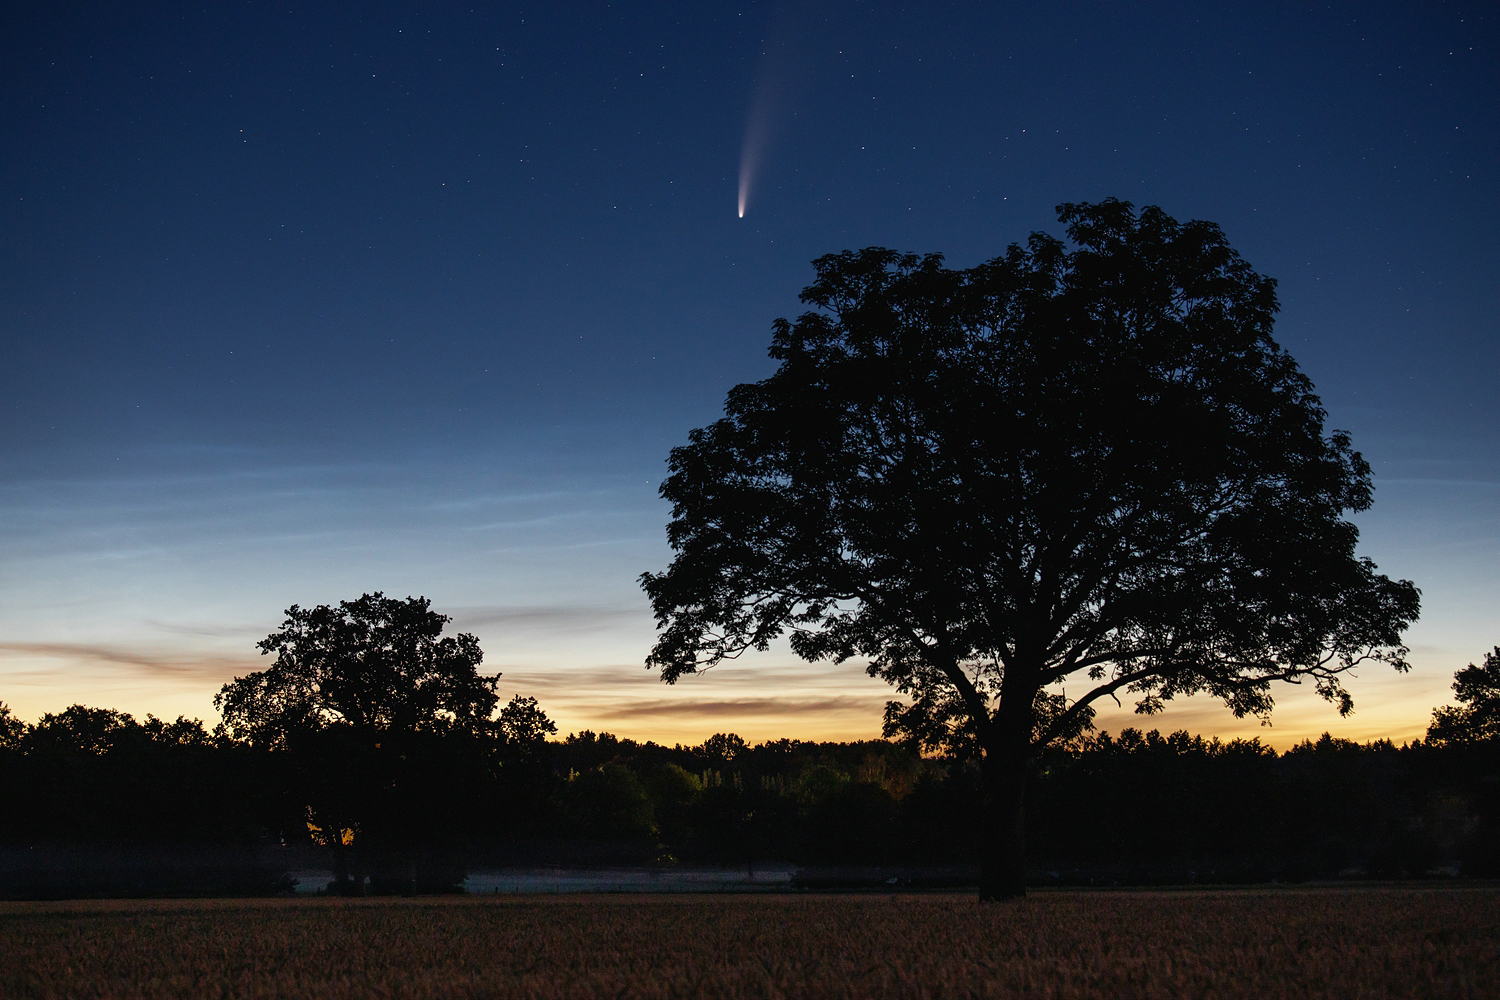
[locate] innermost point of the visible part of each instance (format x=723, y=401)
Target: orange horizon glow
x=774, y=699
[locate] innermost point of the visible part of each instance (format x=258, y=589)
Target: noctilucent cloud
x=303, y=304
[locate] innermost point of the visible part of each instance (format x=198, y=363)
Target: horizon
x=834, y=710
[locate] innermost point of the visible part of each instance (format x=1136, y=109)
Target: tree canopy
x=11, y=728
x=377, y=663
x=1477, y=716
x=1082, y=463
x=522, y=723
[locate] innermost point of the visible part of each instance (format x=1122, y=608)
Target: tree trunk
x=343, y=883
x=1002, y=873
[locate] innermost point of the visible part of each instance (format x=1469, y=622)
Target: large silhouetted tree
x=1083, y=462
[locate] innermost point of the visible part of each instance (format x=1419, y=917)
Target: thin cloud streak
x=153, y=664
x=208, y=631
x=739, y=707
x=1434, y=481
x=545, y=617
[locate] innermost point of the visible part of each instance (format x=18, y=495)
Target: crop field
x=1364, y=943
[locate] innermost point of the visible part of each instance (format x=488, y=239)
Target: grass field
x=1364, y=943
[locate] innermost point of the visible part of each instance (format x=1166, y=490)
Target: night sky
x=299, y=304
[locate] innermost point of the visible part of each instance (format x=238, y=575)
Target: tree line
x=1133, y=808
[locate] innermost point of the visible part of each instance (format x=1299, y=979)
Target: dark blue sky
x=302, y=303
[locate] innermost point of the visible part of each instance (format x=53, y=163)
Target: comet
x=780, y=62
x=755, y=142
x=747, y=171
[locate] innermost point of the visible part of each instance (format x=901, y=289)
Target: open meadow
x=1367, y=943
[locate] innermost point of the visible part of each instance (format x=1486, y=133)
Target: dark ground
x=1372, y=942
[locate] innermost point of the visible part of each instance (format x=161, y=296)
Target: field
x=1366, y=943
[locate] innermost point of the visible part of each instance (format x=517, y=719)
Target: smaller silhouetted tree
x=357, y=696
x=375, y=664
x=523, y=725
x=723, y=748
x=1477, y=716
x=11, y=728
x=78, y=729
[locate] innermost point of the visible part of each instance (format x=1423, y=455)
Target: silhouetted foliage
x=722, y=748
x=524, y=725
x=80, y=730
x=673, y=791
x=375, y=664
x=87, y=774
x=11, y=728
x=120, y=806
x=1090, y=466
x=117, y=806
x=609, y=802
x=377, y=714
x=1477, y=717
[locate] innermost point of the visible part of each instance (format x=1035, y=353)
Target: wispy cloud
x=776, y=707
x=152, y=663
x=209, y=630
x=1487, y=484
x=547, y=617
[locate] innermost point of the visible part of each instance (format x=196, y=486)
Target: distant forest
x=1134, y=808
